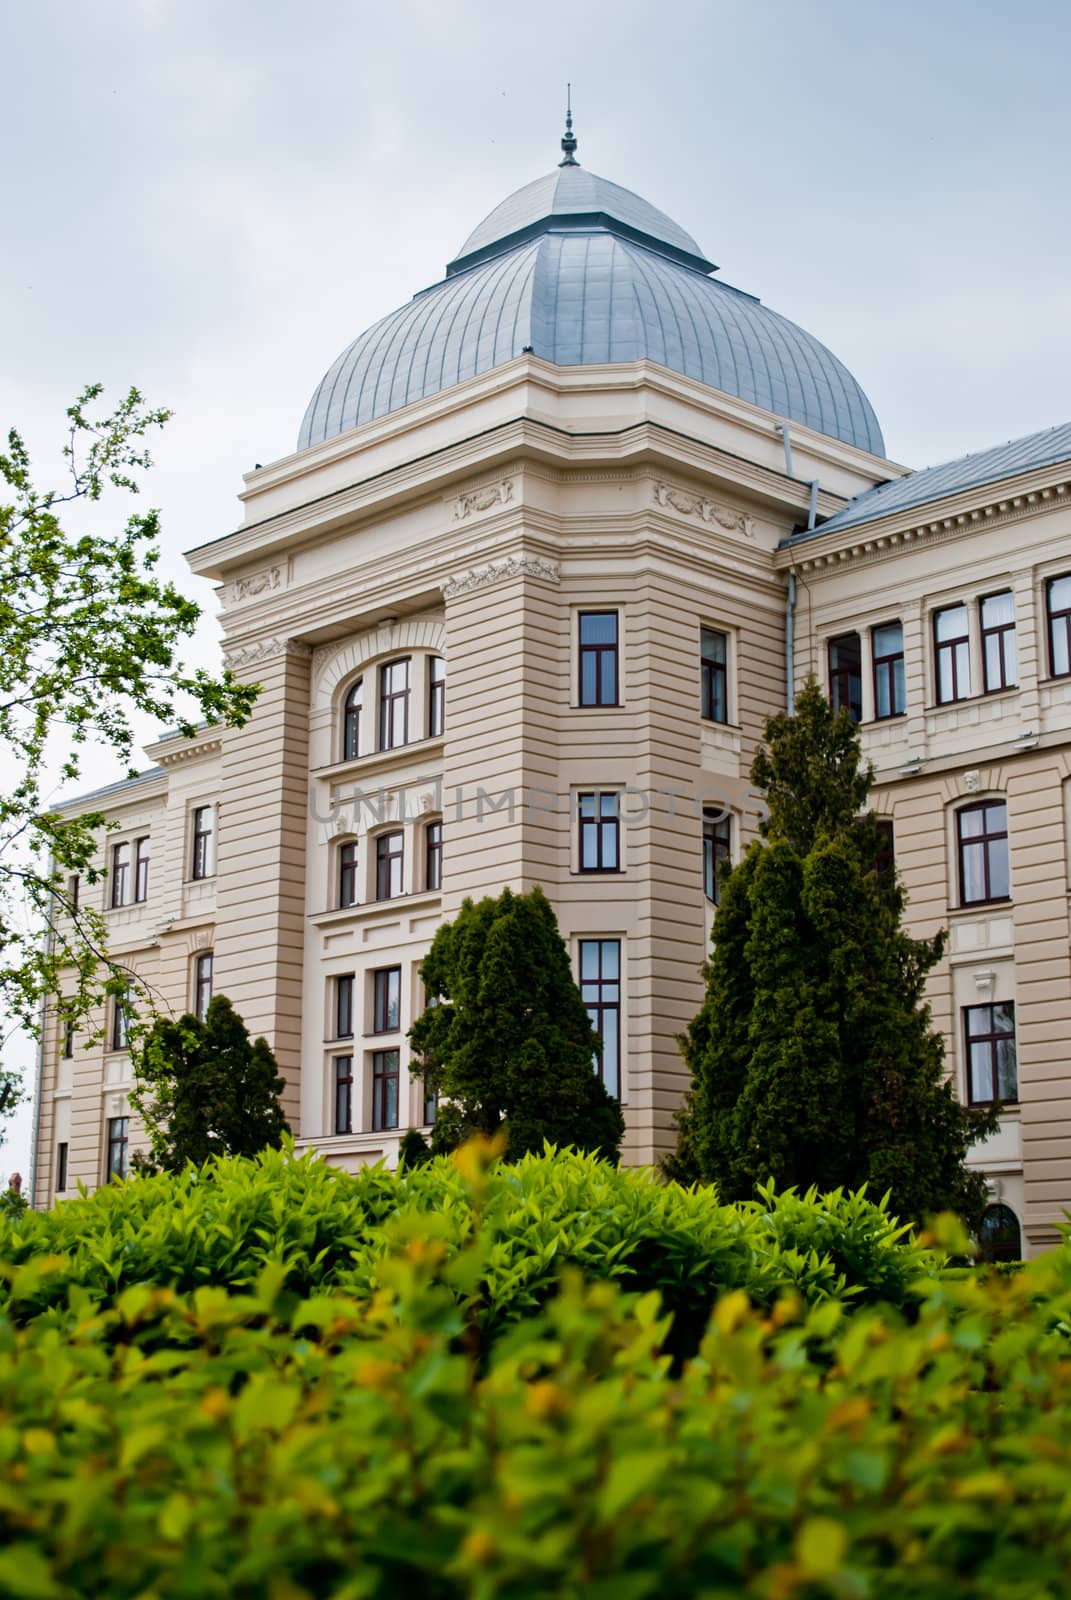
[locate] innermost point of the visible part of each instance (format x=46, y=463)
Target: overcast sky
x=211, y=200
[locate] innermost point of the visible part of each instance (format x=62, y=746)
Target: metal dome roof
x=581, y=271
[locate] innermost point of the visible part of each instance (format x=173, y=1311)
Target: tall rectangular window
x=1000, y=669
x=351, y=722
x=890, y=692
x=202, y=863
x=387, y=1000
x=343, y=1094
x=433, y=855
x=68, y=1037
x=120, y=874
x=118, y=1144
x=846, y=675
x=600, y=989
x=951, y=634
x=430, y=1100
x=390, y=850
x=202, y=985
x=714, y=675
x=347, y=874
x=982, y=834
x=992, y=1073
x=384, y=1090
x=61, y=1166
x=717, y=850
x=394, y=704
x=436, y=697
x=1058, y=606
x=344, y=1006
x=598, y=658
x=597, y=816
x=885, y=859
x=74, y=885
x=120, y=1035
x=141, y=870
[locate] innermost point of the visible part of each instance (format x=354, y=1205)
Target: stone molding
x=248, y=655
x=483, y=498
x=345, y=657
x=501, y=572
x=690, y=504
x=253, y=584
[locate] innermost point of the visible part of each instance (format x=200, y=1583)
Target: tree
x=506, y=1037
x=204, y=1089
x=813, y=1060
x=88, y=635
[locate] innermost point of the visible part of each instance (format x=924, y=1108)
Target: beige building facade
x=559, y=535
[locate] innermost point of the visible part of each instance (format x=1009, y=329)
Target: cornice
x=255, y=651
x=492, y=572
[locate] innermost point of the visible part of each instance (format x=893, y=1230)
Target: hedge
x=219, y=1444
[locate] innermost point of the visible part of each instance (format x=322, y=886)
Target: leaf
x=821, y=1545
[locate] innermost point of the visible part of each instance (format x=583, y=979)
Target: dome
x=579, y=271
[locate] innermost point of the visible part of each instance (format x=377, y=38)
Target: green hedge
x=235, y=1445
x=330, y=1230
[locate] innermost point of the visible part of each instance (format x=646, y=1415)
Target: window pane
x=996, y=817
x=999, y=876
x=883, y=699
x=1061, y=648
x=981, y=1072
x=994, y=677
x=899, y=688
x=586, y=803
x=611, y=1072
x=610, y=958
x=609, y=847
x=889, y=639
x=974, y=872
x=946, y=684
x=952, y=623
x=1060, y=594
x=589, y=958
x=1011, y=659
x=971, y=823
x=598, y=627
x=998, y=609
x=713, y=646
x=608, y=678
x=588, y=679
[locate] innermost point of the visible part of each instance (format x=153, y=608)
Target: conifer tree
x=506, y=1037
x=206, y=1089
x=813, y=1058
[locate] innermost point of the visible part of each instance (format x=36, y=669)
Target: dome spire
x=569, y=138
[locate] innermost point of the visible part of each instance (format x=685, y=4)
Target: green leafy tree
x=506, y=1037
x=88, y=635
x=206, y=1089
x=813, y=1058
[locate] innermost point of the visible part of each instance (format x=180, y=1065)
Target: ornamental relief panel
x=483, y=498
x=501, y=572
x=253, y=584
x=690, y=504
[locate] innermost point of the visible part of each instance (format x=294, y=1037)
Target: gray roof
x=112, y=791
x=1047, y=448
x=617, y=284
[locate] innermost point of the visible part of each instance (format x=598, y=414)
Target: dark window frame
x=717, y=850
x=885, y=859
x=884, y=667
x=118, y=1148
x=433, y=855
x=953, y=647
x=201, y=863
x=120, y=1030
x=713, y=677
x=599, y=830
x=998, y=631
x=141, y=869
x=991, y=1036
x=62, y=1164
x=600, y=1010
x=381, y=999
x=842, y=678
x=348, y=867
x=344, y=1004
x=389, y=698
x=68, y=1038
x=1063, y=615
x=342, y=1069
x=984, y=839
x=74, y=887
x=1004, y=1241
x=386, y=855
x=352, y=710
x=436, y=697
x=382, y=1078
x=119, y=875
x=611, y=650
x=203, y=972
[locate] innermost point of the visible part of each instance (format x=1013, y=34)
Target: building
x=558, y=535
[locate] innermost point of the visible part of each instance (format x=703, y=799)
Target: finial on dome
x=569, y=140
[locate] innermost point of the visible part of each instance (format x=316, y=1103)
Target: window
x=68, y=1037
x=717, y=846
x=394, y=704
x=999, y=1235
x=120, y=873
x=433, y=855
x=991, y=1068
x=713, y=675
x=120, y=1025
x=386, y=1000
x=61, y=1166
x=202, y=985
x=141, y=870
x=598, y=658
x=436, y=697
x=431, y=1105
x=600, y=989
x=343, y=1094
x=846, y=675
x=885, y=860
x=74, y=884
x=347, y=874
x=890, y=694
x=952, y=642
x=999, y=666
x=1058, y=605
x=351, y=721
x=118, y=1141
x=982, y=833
x=389, y=857
x=201, y=865
x=344, y=1006
x=384, y=1090
x=599, y=832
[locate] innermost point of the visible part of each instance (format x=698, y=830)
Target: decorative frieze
x=483, y=498
x=690, y=504
x=254, y=584
x=250, y=655
x=501, y=572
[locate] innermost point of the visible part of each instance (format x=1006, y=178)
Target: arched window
x=999, y=1235
x=351, y=722
x=347, y=874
